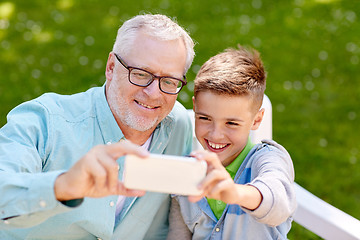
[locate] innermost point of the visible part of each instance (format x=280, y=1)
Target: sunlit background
x=310, y=48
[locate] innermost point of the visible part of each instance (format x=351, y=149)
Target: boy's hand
x=219, y=185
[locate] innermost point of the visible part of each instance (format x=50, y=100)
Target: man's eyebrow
x=151, y=71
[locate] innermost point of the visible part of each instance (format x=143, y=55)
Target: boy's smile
x=216, y=147
x=223, y=123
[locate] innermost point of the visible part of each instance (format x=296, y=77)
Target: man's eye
x=232, y=123
x=140, y=75
x=169, y=82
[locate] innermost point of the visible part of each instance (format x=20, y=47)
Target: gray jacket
x=269, y=168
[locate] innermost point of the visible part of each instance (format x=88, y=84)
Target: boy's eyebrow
x=234, y=120
x=227, y=119
x=200, y=113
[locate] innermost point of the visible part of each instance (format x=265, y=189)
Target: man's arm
x=30, y=193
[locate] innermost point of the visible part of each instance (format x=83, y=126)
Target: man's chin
x=142, y=126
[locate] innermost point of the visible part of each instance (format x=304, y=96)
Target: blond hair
x=233, y=72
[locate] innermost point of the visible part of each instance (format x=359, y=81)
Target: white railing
x=312, y=213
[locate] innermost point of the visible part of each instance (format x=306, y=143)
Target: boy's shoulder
x=270, y=145
x=268, y=149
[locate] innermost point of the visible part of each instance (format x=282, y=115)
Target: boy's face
x=223, y=123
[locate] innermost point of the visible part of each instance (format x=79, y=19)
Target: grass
x=310, y=49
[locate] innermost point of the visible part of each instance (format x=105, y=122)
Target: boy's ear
x=193, y=100
x=258, y=118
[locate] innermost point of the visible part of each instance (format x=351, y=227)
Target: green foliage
x=310, y=49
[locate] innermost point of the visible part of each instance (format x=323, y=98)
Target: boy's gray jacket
x=269, y=168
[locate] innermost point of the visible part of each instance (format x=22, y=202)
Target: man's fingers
x=97, y=173
x=122, y=190
x=124, y=147
x=112, y=169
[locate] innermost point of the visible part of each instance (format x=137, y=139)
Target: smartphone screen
x=164, y=173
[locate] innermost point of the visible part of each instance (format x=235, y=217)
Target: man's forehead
x=161, y=57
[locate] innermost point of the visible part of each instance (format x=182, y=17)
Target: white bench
x=312, y=213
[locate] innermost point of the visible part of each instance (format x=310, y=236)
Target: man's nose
x=153, y=89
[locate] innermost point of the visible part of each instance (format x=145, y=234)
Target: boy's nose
x=216, y=133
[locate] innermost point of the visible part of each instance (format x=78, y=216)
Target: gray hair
x=158, y=26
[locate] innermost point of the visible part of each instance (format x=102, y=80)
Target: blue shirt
x=45, y=137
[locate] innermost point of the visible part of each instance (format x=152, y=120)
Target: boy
x=248, y=190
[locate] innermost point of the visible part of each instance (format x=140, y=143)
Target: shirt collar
x=233, y=167
x=110, y=130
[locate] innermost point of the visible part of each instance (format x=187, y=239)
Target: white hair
x=158, y=26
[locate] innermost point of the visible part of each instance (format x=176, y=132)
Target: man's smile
x=146, y=106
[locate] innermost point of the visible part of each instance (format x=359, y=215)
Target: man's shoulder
x=178, y=108
x=179, y=113
x=67, y=105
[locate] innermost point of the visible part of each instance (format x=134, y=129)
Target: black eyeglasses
x=143, y=78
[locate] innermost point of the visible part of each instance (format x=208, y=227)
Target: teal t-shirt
x=218, y=206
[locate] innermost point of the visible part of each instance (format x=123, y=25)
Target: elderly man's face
x=142, y=108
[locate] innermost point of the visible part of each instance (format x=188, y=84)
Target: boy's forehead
x=222, y=105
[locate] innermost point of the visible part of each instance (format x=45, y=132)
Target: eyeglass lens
x=142, y=78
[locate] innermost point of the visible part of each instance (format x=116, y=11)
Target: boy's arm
x=269, y=197
x=219, y=185
x=248, y=196
x=177, y=227
x=274, y=177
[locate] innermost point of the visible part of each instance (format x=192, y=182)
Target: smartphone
x=164, y=173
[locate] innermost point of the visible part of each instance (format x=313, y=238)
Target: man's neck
x=136, y=137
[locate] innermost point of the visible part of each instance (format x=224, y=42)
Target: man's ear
x=258, y=118
x=193, y=100
x=110, y=67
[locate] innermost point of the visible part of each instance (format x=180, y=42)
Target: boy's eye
x=203, y=118
x=232, y=123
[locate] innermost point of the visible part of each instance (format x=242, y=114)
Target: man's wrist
x=61, y=190
x=73, y=202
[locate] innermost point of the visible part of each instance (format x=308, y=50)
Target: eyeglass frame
x=153, y=76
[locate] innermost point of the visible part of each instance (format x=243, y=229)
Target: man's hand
x=219, y=185
x=96, y=173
